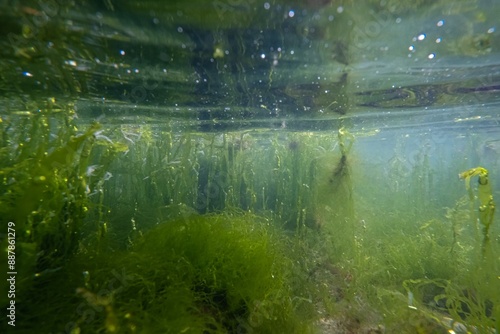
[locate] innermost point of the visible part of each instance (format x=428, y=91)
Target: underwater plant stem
x=485, y=196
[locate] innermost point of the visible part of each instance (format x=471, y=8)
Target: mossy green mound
x=201, y=274
x=215, y=274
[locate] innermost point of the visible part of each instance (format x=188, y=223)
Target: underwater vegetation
x=252, y=170
x=227, y=273
x=485, y=196
x=46, y=184
x=146, y=229
x=199, y=274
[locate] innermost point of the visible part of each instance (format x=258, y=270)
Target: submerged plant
x=47, y=177
x=227, y=273
x=334, y=205
x=458, y=216
x=485, y=196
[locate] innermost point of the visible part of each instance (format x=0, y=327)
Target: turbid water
x=250, y=166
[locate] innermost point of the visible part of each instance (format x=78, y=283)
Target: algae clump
x=199, y=274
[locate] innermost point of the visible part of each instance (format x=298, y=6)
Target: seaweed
x=46, y=186
x=244, y=231
x=485, y=196
x=206, y=274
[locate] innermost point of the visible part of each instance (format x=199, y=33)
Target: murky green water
x=250, y=166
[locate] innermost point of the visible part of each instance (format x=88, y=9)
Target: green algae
x=201, y=274
x=45, y=187
x=242, y=231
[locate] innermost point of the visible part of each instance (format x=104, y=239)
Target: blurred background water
x=408, y=91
